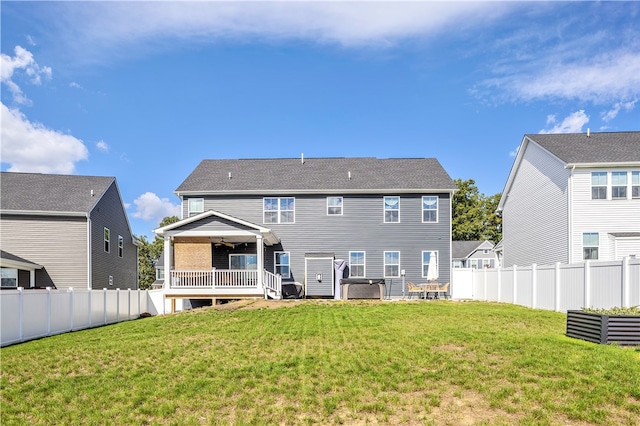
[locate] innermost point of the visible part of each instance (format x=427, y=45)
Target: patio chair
x=443, y=290
x=412, y=288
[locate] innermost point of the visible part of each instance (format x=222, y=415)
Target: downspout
x=89, y=271
x=570, y=214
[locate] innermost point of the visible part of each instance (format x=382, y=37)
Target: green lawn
x=324, y=362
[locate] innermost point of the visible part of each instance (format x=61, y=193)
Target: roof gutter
x=42, y=213
x=608, y=164
x=318, y=191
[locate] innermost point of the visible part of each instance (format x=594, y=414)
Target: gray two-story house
x=251, y=225
x=65, y=231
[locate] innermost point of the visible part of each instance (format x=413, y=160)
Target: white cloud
x=613, y=112
x=31, y=147
x=102, y=146
x=30, y=40
x=573, y=123
x=23, y=60
x=75, y=85
x=153, y=208
x=514, y=152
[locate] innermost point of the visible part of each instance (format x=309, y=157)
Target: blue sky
x=145, y=90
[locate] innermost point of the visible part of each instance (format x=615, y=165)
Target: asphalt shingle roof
x=461, y=249
x=51, y=193
x=598, y=147
x=317, y=174
x=8, y=256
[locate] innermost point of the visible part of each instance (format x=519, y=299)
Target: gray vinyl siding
x=322, y=266
x=109, y=213
x=535, y=215
x=361, y=227
x=57, y=243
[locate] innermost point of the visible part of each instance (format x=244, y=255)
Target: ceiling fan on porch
x=222, y=242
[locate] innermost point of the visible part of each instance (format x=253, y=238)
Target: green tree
x=474, y=214
x=149, y=253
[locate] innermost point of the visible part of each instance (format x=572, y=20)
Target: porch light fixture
x=319, y=278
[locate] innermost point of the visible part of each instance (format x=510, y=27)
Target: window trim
x=619, y=186
x=437, y=209
x=384, y=264
x=385, y=210
x=597, y=247
x=605, y=185
x=276, y=264
x=437, y=252
x=278, y=211
x=120, y=246
x=190, y=212
x=636, y=185
x=341, y=207
x=364, y=264
x=107, y=240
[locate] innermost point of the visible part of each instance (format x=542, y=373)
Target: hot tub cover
x=362, y=281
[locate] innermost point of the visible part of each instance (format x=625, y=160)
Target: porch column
x=167, y=261
x=260, y=256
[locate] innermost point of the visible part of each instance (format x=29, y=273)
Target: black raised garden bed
x=621, y=330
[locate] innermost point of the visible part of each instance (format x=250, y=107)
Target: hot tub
x=362, y=288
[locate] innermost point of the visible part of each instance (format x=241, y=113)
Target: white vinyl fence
x=31, y=314
x=559, y=287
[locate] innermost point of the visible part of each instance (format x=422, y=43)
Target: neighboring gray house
x=572, y=197
x=250, y=225
x=473, y=254
x=66, y=231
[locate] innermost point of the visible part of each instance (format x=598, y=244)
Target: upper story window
x=196, y=206
x=357, y=264
x=618, y=185
x=9, y=277
x=635, y=184
x=279, y=210
x=120, y=245
x=107, y=240
x=482, y=263
x=391, y=209
x=160, y=273
x=429, y=209
x=391, y=264
x=282, y=263
x=590, y=243
x=598, y=185
x=334, y=206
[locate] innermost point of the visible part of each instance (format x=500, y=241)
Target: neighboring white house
x=572, y=197
x=473, y=254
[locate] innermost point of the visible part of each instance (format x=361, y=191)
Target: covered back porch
x=216, y=256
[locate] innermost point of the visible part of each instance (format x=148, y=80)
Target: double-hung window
x=279, y=210
x=391, y=264
x=429, y=209
x=334, y=206
x=391, y=209
x=619, y=185
x=357, y=264
x=120, y=246
x=598, y=185
x=107, y=240
x=635, y=184
x=282, y=263
x=9, y=277
x=196, y=206
x=590, y=243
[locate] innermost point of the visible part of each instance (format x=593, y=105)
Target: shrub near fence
x=559, y=287
x=31, y=314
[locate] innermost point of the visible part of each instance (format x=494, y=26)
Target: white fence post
x=557, y=287
x=71, y=294
x=48, y=311
x=499, y=272
x=626, y=283
x=20, y=311
x=534, y=285
x=90, y=308
x=515, y=283
x=104, y=302
x=117, y=305
x=587, y=284
x=484, y=283
x=128, y=303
